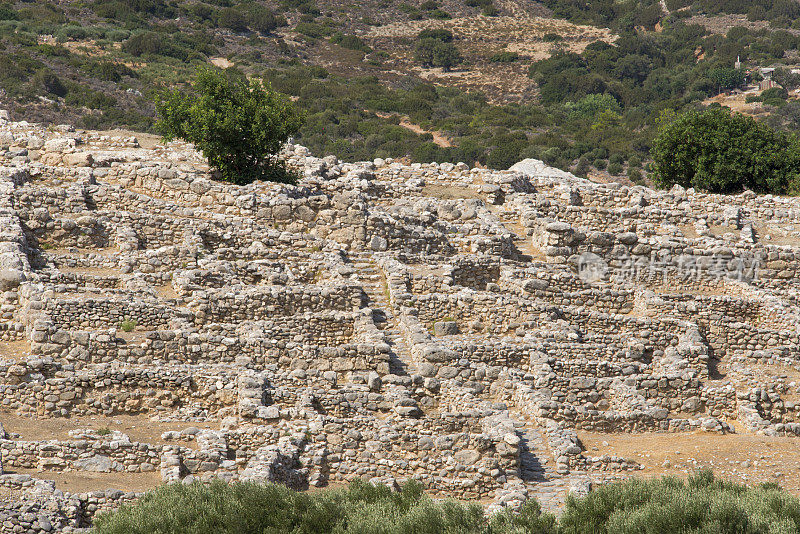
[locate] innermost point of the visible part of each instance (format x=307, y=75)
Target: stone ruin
x=378, y=320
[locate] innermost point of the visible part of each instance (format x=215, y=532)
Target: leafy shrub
x=727, y=78
x=435, y=53
x=723, y=152
x=108, y=71
x=582, y=168
x=232, y=18
x=701, y=504
x=441, y=34
x=66, y=33
x=152, y=43
x=313, y=30
x=117, y=35
x=590, y=106
x=240, y=127
x=361, y=508
x=52, y=50
x=351, y=42
x=614, y=169
x=263, y=20
x=504, y=56
x=7, y=12
x=127, y=325
x=46, y=80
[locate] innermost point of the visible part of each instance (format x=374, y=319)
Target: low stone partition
x=99, y=312
x=104, y=389
x=269, y=301
x=97, y=456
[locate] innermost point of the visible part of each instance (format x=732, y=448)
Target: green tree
x=726, y=78
x=786, y=78
x=433, y=52
x=232, y=19
x=48, y=81
x=722, y=152
x=239, y=126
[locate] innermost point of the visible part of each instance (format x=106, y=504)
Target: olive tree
x=723, y=152
x=433, y=52
x=240, y=126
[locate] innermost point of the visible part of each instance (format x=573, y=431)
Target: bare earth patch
x=15, y=350
x=141, y=429
x=737, y=457
x=449, y=192
x=84, y=481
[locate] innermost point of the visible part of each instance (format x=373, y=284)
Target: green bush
x=616, y=158
x=7, y=12
x=351, y=42
x=774, y=93
x=127, y=325
x=361, y=508
x=441, y=34
x=435, y=53
x=239, y=126
x=232, y=18
x=108, y=71
x=440, y=14
x=263, y=20
x=718, y=151
x=614, y=169
x=45, y=80
x=152, y=43
x=504, y=56
x=313, y=30
x=700, y=504
x=668, y=505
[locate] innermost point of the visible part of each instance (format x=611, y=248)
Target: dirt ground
x=81, y=482
x=742, y=458
x=146, y=140
x=449, y=192
x=137, y=428
x=17, y=351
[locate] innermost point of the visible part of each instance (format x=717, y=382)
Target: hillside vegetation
x=579, y=85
